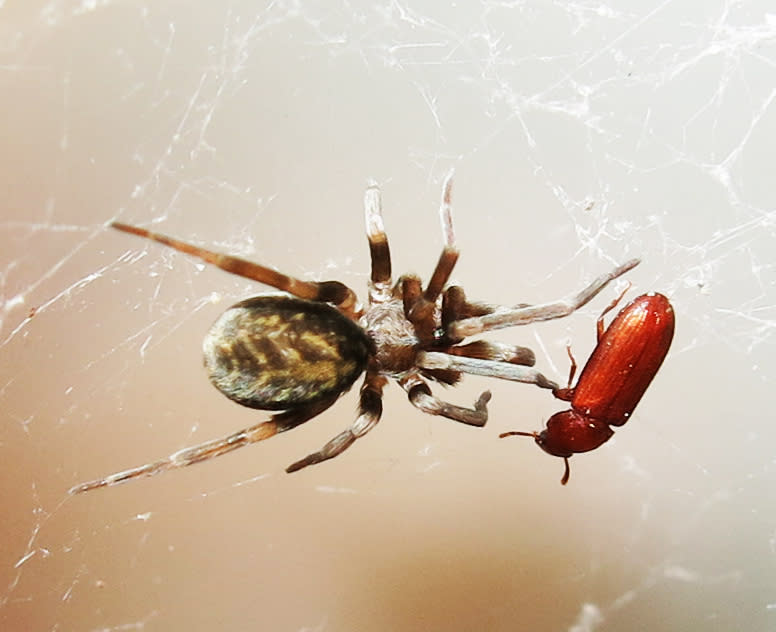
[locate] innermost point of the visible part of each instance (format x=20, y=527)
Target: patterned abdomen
x=278, y=352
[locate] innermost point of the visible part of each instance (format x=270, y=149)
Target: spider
x=297, y=352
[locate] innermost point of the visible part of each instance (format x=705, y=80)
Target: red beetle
x=626, y=358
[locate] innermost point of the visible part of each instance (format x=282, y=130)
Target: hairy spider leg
x=380, y=278
x=417, y=309
x=510, y=317
x=380, y=253
x=461, y=318
x=449, y=256
x=496, y=351
x=455, y=307
x=446, y=361
x=325, y=292
x=215, y=447
x=420, y=306
x=370, y=410
x=420, y=396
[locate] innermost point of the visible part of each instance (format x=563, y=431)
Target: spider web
x=582, y=134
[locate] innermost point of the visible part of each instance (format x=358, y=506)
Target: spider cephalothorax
x=298, y=352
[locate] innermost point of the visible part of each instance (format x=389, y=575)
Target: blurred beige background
x=582, y=134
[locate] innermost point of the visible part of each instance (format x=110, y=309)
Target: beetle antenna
x=513, y=433
x=535, y=435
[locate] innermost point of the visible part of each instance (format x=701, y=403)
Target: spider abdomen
x=278, y=352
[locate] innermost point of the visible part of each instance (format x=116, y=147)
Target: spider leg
x=509, y=317
x=379, y=251
x=420, y=396
x=420, y=306
x=449, y=256
x=436, y=360
x=411, y=293
x=370, y=410
x=455, y=306
x=326, y=292
x=209, y=449
x=417, y=310
x=496, y=351
x=482, y=350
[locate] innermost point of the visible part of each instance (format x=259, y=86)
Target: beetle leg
x=567, y=471
x=567, y=394
x=600, y=322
